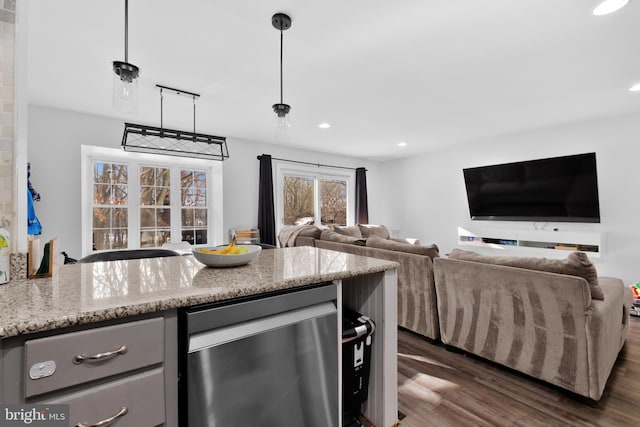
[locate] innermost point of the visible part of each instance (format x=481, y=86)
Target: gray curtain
x=362, y=207
x=266, y=213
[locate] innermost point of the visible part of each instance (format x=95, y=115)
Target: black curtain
x=362, y=207
x=266, y=214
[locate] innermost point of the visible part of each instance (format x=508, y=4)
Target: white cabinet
x=533, y=242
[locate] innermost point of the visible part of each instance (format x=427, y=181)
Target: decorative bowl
x=217, y=260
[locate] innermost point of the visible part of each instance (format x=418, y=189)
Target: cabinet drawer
x=142, y=395
x=51, y=365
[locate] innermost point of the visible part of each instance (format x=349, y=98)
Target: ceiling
x=431, y=73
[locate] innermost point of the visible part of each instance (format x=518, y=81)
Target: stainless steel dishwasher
x=269, y=361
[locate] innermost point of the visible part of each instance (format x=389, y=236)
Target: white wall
x=241, y=175
x=431, y=205
x=55, y=137
x=433, y=201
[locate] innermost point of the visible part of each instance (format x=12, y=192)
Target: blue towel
x=33, y=224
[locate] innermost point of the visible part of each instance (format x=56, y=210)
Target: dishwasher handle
x=202, y=340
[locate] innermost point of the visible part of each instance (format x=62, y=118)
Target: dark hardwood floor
x=440, y=388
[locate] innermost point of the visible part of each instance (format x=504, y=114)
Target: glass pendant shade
x=125, y=87
x=282, y=123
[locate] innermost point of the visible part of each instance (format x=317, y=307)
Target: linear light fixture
x=160, y=140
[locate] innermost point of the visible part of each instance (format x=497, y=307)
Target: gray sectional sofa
x=554, y=320
x=551, y=319
x=416, y=287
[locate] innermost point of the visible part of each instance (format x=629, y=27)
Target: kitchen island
x=84, y=297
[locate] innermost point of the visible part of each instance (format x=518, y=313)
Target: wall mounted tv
x=558, y=189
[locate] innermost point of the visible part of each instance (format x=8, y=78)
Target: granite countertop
x=86, y=293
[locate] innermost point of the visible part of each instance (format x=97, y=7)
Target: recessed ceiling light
x=402, y=144
x=324, y=125
x=635, y=88
x=609, y=6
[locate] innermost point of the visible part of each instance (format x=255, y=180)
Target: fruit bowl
x=227, y=260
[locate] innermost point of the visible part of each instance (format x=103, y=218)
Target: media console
x=535, y=242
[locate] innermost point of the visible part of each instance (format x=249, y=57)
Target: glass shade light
x=125, y=87
x=282, y=123
x=635, y=88
x=606, y=7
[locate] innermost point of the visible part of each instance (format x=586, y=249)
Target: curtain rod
x=309, y=163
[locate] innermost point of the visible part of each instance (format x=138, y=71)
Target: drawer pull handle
x=78, y=359
x=104, y=423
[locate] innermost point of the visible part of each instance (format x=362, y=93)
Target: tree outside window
x=301, y=195
x=333, y=197
x=193, y=191
x=110, y=201
x=155, y=206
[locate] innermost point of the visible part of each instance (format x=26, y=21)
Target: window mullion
x=176, y=205
x=317, y=201
x=134, y=205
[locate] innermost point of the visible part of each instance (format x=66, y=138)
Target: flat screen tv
x=558, y=189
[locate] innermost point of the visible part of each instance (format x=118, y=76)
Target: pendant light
x=281, y=22
x=125, y=79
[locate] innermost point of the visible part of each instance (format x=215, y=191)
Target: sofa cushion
x=341, y=238
x=428, y=250
x=348, y=230
x=408, y=240
x=367, y=230
x=311, y=231
x=576, y=264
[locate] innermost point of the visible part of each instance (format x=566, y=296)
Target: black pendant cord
x=161, y=99
x=126, y=31
x=281, y=44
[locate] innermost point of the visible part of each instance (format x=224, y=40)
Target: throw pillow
x=332, y=236
x=348, y=230
x=576, y=264
x=368, y=230
x=428, y=250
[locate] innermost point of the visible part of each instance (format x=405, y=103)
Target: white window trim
x=318, y=172
x=90, y=153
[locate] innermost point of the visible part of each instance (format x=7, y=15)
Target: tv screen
x=558, y=189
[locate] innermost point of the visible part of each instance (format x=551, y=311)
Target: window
x=193, y=189
x=155, y=206
x=110, y=205
x=314, y=196
x=134, y=200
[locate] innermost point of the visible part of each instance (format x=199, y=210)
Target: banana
x=229, y=248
